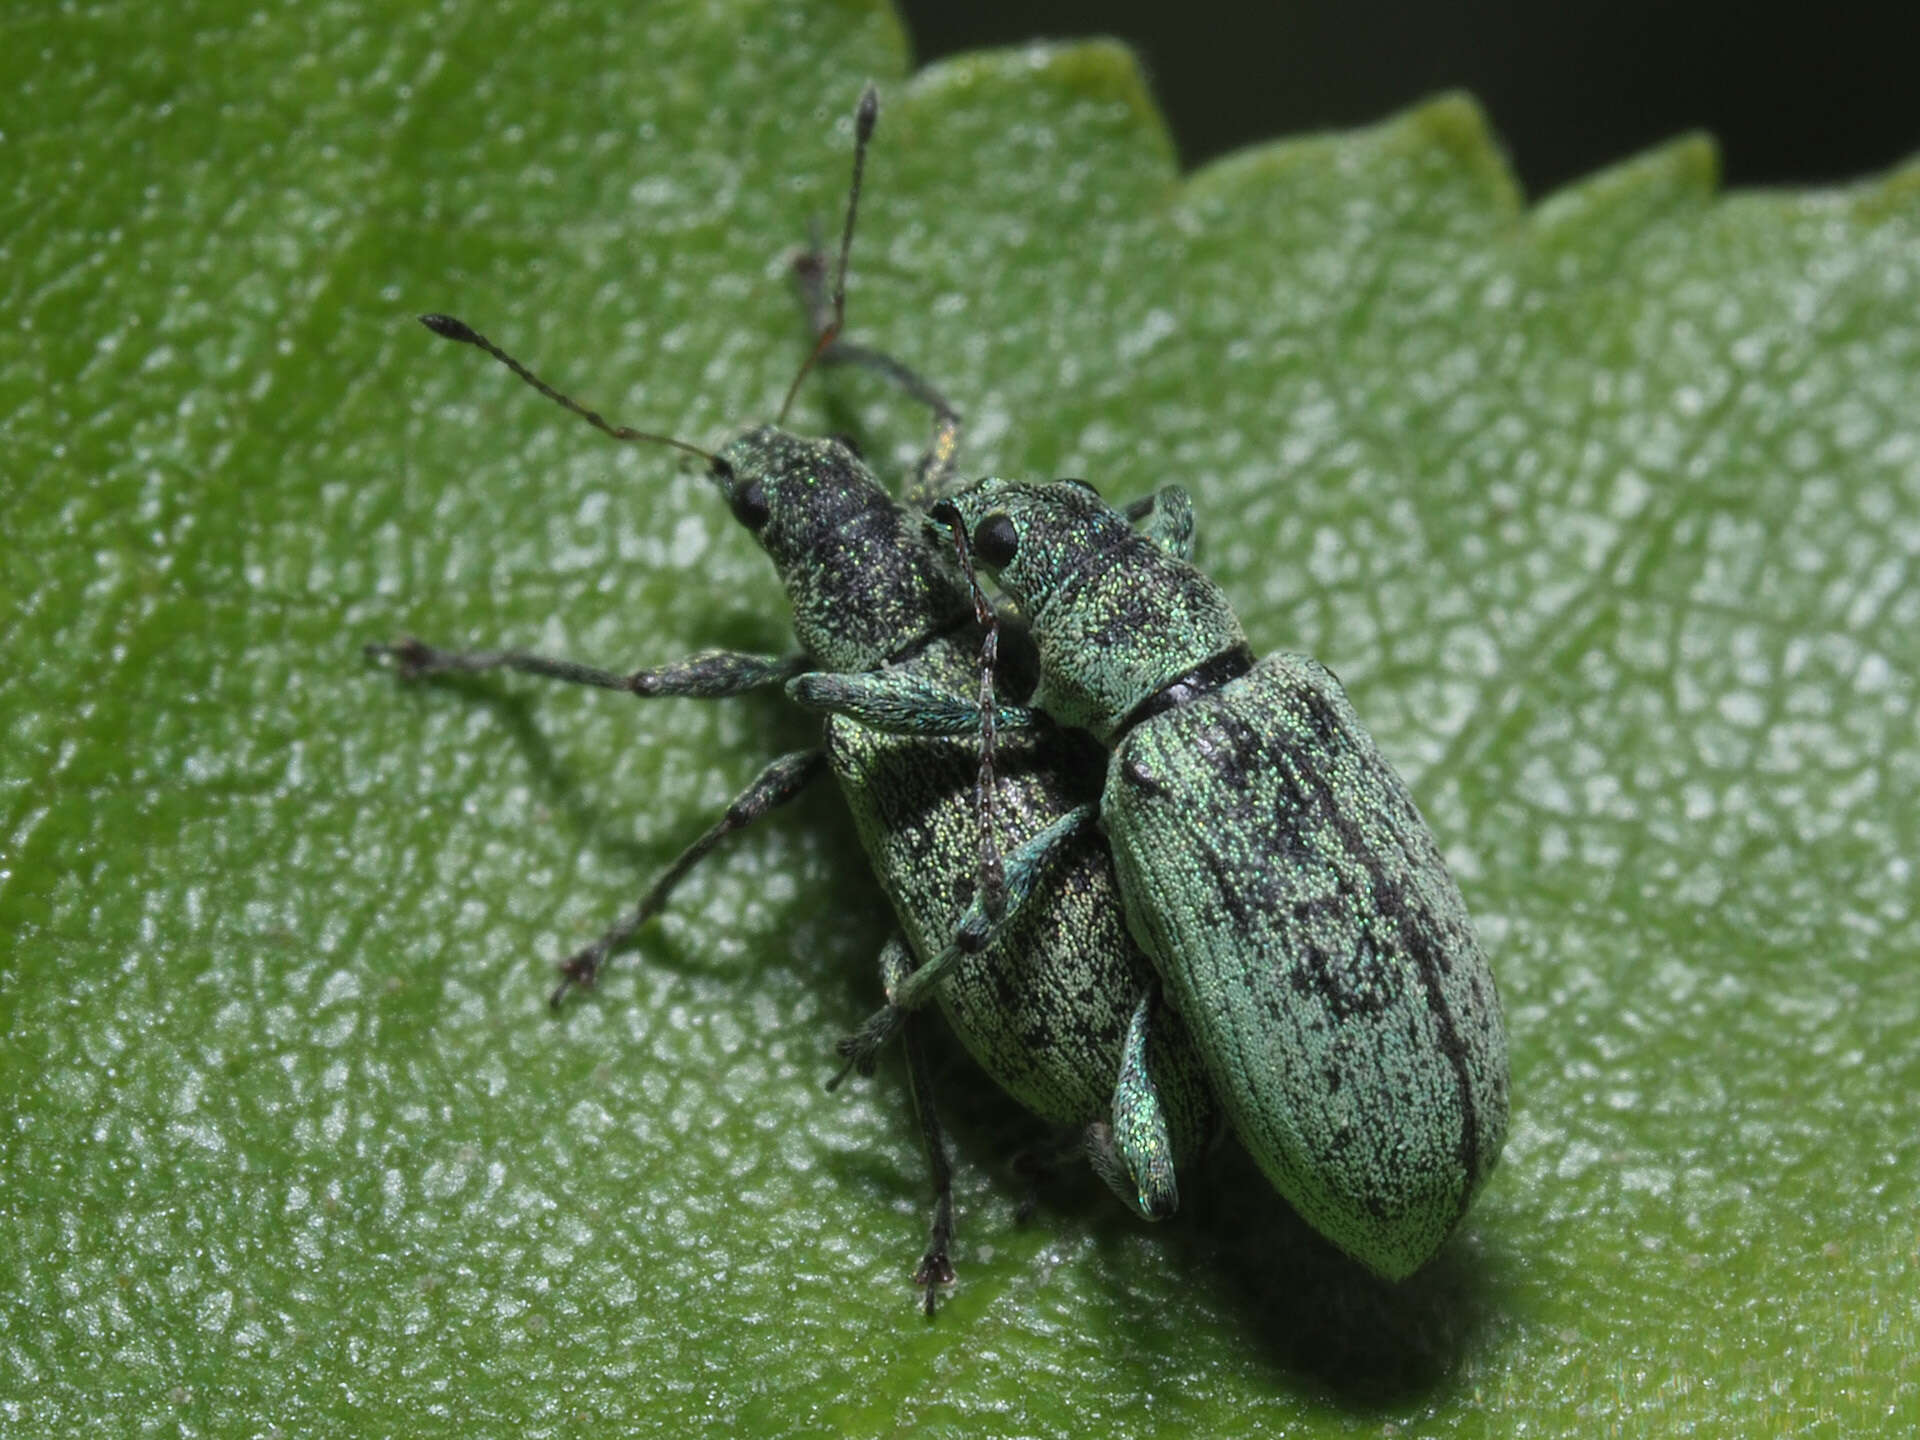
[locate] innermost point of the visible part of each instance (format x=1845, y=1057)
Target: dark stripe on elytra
x=1316, y=801
x=1243, y=751
x=1391, y=901
x=1306, y=806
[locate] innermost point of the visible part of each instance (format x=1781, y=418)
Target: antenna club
x=867, y=115
x=451, y=329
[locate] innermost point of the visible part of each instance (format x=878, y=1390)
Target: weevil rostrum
x=1061, y=1008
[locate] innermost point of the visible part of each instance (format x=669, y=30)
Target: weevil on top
x=1059, y=1007
x=1271, y=863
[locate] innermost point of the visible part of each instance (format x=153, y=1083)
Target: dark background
x=1833, y=95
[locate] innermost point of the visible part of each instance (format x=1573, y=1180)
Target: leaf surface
x=1607, y=511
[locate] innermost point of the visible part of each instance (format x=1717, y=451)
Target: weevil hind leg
x=935, y=471
x=936, y=1266
x=783, y=779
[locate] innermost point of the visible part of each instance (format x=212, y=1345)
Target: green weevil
x=1061, y=1008
x=1271, y=863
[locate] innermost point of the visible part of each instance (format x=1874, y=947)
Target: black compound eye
x=995, y=540
x=750, y=505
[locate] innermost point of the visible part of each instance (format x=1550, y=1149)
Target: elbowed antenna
x=865, y=116
x=452, y=329
x=993, y=874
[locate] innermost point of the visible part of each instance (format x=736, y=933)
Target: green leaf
x=1608, y=511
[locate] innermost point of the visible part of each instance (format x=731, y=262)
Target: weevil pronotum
x=1272, y=864
x=1061, y=1009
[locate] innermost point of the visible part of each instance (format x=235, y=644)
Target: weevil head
x=791, y=491
x=1032, y=538
x=1114, y=616
x=865, y=580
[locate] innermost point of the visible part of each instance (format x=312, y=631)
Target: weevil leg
x=710, y=675
x=1169, y=516
x=935, y=1268
x=978, y=929
x=933, y=475
x=897, y=704
x=1134, y=1154
x=783, y=779
x=936, y=469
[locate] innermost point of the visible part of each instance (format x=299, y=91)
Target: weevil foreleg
x=783, y=779
x=710, y=675
x=898, y=704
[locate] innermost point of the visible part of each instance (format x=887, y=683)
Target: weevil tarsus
x=710, y=675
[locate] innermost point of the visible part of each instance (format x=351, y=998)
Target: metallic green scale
x=1046, y=1008
x=1275, y=868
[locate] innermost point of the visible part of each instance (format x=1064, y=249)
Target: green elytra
x=1273, y=866
x=1061, y=1009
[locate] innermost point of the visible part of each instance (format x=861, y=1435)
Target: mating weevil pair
x=1321, y=967
x=1062, y=1009
x=1271, y=863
